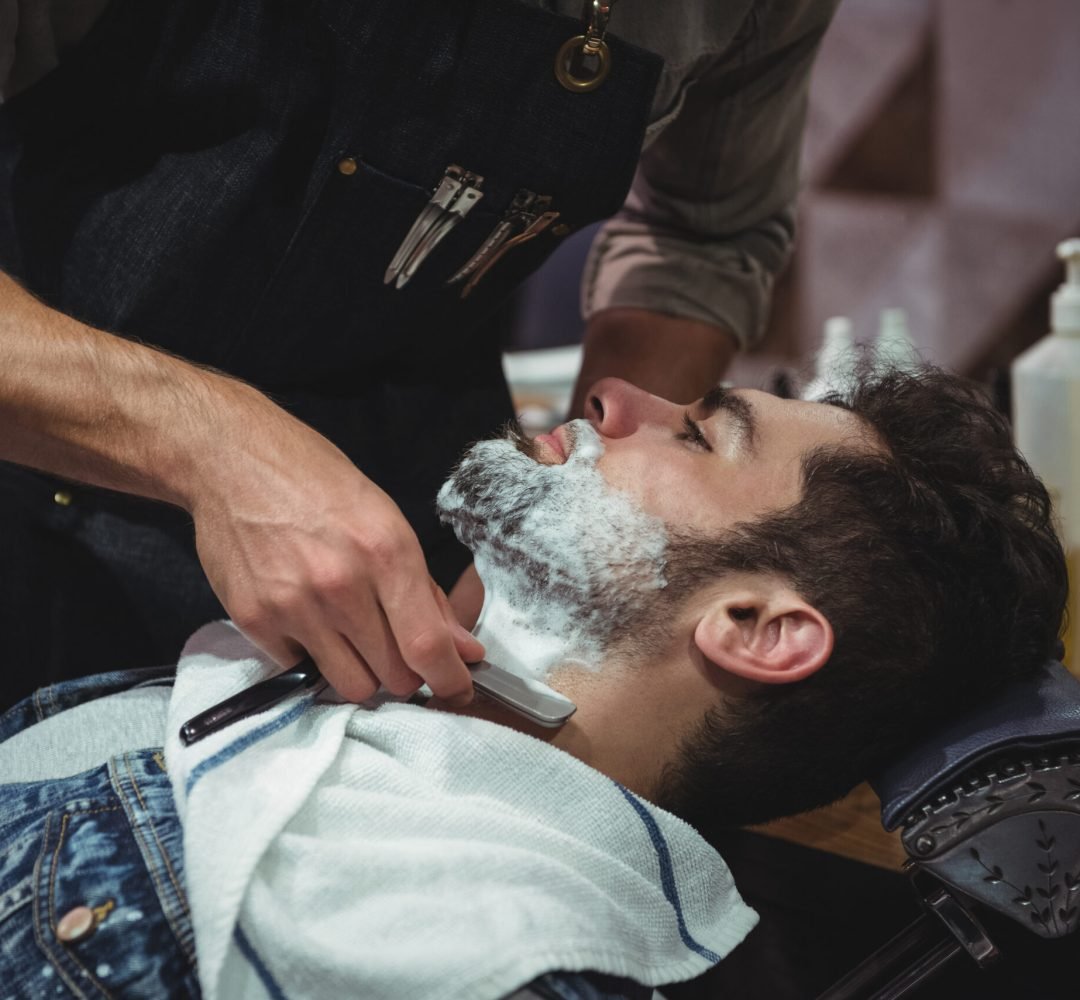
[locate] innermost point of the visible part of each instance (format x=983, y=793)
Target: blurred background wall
x=941, y=165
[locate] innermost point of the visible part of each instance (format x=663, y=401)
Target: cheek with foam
x=567, y=562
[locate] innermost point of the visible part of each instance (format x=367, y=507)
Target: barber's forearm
x=679, y=359
x=89, y=406
x=303, y=551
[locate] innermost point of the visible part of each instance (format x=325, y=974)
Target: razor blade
x=530, y=699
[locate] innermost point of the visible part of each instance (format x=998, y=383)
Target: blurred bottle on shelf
x=1046, y=422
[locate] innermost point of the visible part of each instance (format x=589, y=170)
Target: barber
x=240, y=340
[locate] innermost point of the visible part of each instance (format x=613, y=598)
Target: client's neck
x=527, y=644
x=617, y=728
x=600, y=733
x=529, y=634
x=631, y=713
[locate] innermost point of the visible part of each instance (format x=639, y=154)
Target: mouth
x=553, y=448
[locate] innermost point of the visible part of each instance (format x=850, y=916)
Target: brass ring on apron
x=570, y=59
x=573, y=50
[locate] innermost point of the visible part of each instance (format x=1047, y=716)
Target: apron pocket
x=329, y=311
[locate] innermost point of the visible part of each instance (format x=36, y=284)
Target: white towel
x=403, y=853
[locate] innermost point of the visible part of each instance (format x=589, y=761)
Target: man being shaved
x=754, y=603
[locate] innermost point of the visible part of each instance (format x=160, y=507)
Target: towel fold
x=404, y=853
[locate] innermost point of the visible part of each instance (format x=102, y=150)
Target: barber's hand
x=670, y=356
x=306, y=553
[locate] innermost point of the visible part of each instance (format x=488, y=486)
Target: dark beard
x=513, y=433
x=556, y=540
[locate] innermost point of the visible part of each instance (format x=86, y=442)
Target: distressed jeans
x=102, y=849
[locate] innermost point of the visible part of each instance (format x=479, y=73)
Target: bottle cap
x=1065, y=302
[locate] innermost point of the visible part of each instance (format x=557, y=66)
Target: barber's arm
x=301, y=548
x=670, y=356
x=682, y=276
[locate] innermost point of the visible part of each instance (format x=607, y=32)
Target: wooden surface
x=851, y=828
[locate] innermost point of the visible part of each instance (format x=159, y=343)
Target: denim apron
x=230, y=182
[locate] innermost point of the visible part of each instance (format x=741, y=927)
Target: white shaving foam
x=567, y=562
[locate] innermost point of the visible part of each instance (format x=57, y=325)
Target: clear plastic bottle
x=894, y=345
x=834, y=368
x=1046, y=422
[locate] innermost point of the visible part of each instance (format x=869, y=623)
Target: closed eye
x=693, y=434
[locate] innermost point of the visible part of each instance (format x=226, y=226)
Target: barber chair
x=990, y=810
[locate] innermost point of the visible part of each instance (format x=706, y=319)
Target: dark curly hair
x=936, y=562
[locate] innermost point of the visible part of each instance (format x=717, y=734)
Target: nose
x=617, y=409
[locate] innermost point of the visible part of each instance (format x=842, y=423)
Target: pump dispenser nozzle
x=1065, y=303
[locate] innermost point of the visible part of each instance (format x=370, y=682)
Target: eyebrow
x=721, y=398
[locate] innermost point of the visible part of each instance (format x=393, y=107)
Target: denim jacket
x=92, y=900
x=92, y=897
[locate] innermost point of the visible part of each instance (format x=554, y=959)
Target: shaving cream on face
x=567, y=562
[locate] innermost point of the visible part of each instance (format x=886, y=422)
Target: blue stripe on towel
x=227, y=753
x=667, y=874
x=249, y=952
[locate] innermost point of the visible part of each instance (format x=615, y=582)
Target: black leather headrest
x=1026, y=714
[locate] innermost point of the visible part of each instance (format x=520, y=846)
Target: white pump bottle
x=1046, y=422
x=834, y=370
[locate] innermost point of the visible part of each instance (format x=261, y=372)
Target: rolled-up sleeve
x=710, y=219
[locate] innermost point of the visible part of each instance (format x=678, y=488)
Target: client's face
x=566, y=560
x=734, y=455
x=570, y=531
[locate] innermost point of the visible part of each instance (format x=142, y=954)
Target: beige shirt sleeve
x=710, y=220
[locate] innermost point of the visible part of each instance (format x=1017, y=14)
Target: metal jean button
x=76, y=924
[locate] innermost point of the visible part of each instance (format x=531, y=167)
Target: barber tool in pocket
x=530, y=699
x=526, y=218
x=458, y=192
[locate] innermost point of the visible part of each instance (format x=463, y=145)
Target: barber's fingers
x=426, y=641
x=469, y=648
x=342, y=665
x=357, y=650
x=368, y=632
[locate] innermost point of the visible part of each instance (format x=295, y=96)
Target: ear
x=764, y=631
